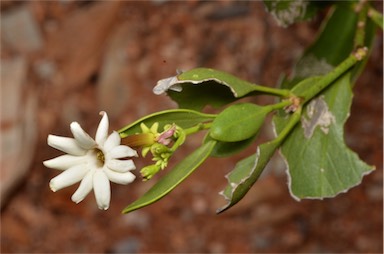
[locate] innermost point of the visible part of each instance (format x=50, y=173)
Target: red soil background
x=108, y=56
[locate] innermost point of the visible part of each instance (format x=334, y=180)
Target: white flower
x=94, y=162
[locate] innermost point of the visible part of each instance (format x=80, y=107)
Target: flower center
x=100, y=158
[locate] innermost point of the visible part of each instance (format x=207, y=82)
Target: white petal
x=64, y=162
x=102, y=130
x=121, y=152
x=85, y=187
x=68, y=177
x=67, y=145
x=83, y=139
x=102, y=189
x=121, y=166
x=120, y=178
x=112, y=141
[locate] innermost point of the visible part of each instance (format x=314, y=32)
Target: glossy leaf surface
x=238, y=122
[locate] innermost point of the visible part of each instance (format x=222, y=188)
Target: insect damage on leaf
x=317, y=114
x=310, y=65
x=287, y=16
x=238, y=177
x=165, y=84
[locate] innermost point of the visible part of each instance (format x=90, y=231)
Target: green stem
x=280, y=105
x=274, y=91
x=361, y=22
x=328, y=79
x=376, y=17
x=178, y=142
x=184, y=133
x=197, y=128
x=294, y=119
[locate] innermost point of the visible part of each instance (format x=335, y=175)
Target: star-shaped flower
x=94, y=162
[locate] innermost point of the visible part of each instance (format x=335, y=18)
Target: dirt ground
x=108, y=56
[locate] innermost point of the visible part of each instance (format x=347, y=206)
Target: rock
x=128, y=245
x=13, y=75
x=78, y=45
x=18, y=124
x=113, y=90
x=20, y=30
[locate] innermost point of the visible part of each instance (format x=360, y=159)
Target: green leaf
x=166, y=184
x=184, y=118
x=288, y=12
x=238, y=122
x=238, y=87
x=196, y=97
x=333, y=45
x=246, y=173
x=248, y=170
x=320, y=164
x=225, y=149
x=205, y=86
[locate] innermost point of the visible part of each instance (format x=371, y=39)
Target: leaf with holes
x=319, y=163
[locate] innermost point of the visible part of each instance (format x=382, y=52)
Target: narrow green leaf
x=184, y=118
x=166, y=184
x=246, y=173
x=238, y=122
x=333, y=45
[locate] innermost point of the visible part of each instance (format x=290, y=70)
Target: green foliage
x=238, y=122
x=325, y=166
x=184, y=118
x=287, y=12
x=314, y=106
x=320, y=164
x=213, y=87
x=206, y=93
x=173, y=178
x=246, y=173
x=224, y=149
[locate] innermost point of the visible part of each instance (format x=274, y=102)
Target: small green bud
x=158, y=149
x=149, y=171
